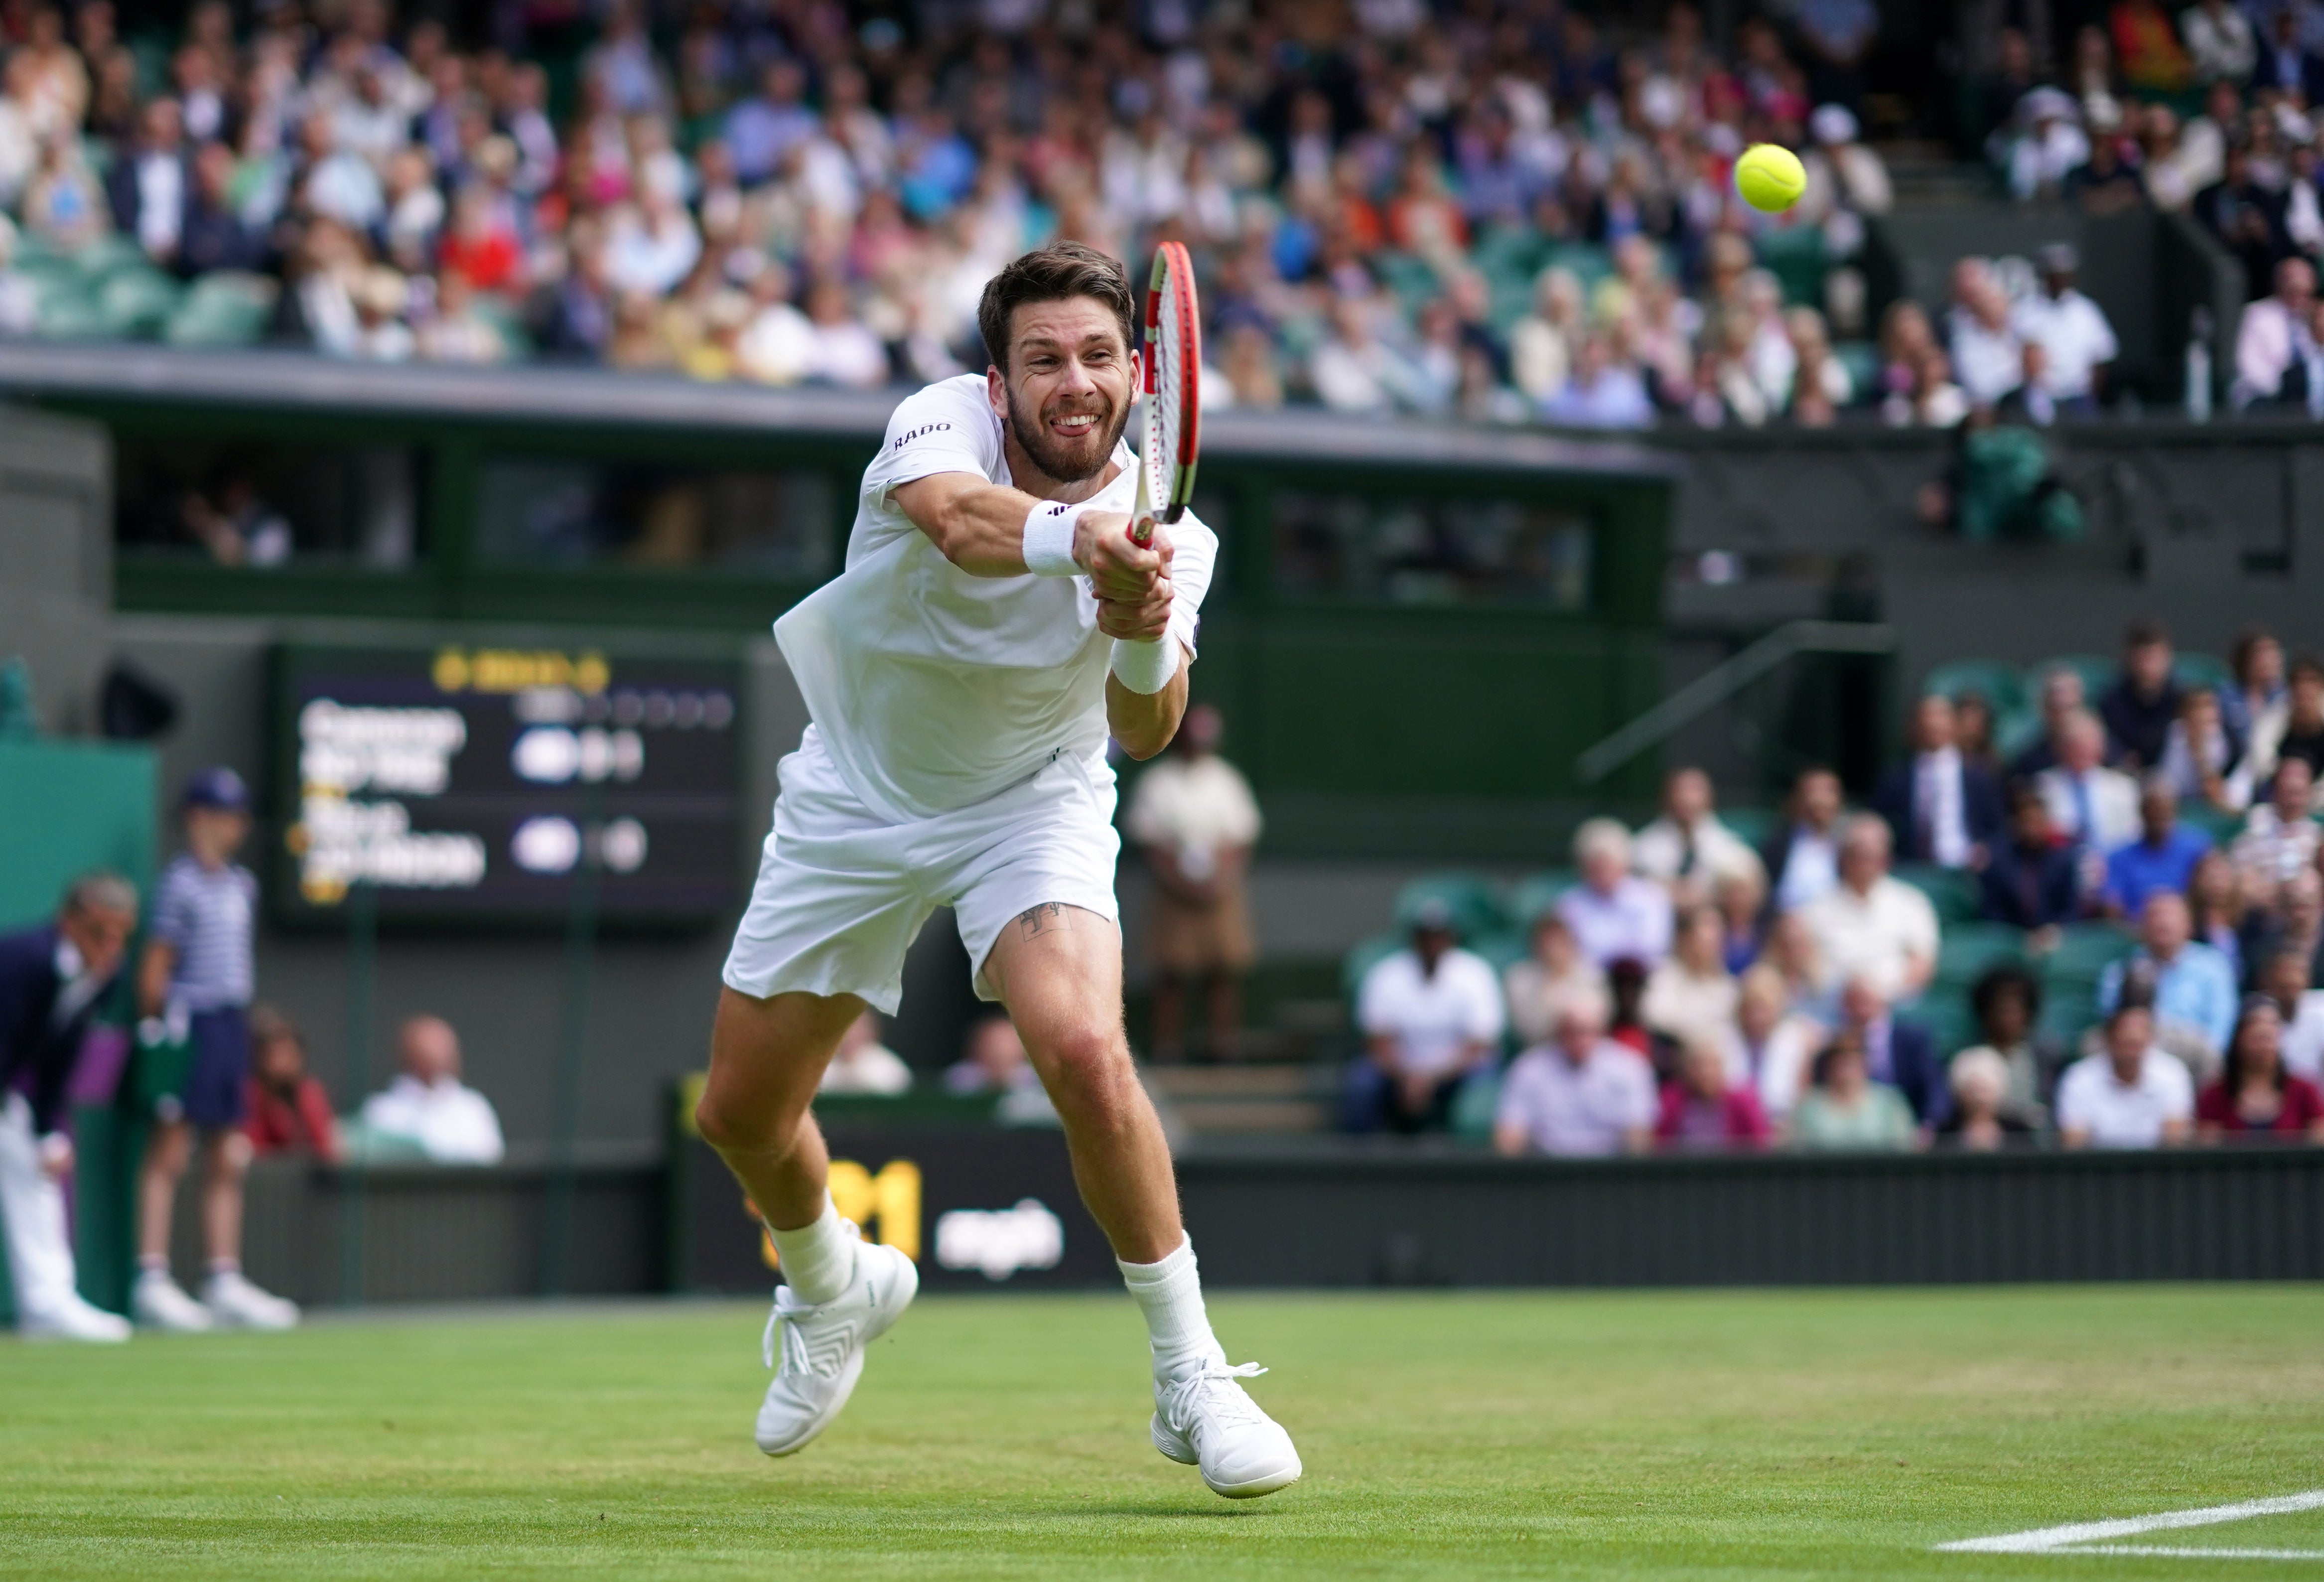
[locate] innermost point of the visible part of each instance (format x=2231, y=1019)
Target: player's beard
x=1067, y=463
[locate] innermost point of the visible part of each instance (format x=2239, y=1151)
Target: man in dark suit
x=2032, y=879
x=51, y=977
x=1942, y=808
x=1903, y=1054
x=2285, y=65
x=150, y=186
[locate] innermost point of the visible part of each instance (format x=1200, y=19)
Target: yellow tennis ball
x=1769, y=177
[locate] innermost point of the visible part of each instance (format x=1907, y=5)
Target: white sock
x=1170, y=1295
x=818, y=1259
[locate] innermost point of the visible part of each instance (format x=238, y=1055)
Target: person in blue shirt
x=2162, y=858
x=2194, y=986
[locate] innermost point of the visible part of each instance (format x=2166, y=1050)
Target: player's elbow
x=1142, y=749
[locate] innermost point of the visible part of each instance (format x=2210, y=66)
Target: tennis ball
x=1769, y=177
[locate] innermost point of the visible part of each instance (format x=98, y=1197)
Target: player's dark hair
x=1052, y=274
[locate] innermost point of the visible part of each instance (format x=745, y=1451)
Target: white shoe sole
x=908, y=1282
x=1183, y=1453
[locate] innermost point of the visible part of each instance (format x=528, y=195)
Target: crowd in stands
x=2099, y=925
x=2210, y=111
x=1504, y=210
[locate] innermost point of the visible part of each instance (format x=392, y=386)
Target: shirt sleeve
x=2178, y=1095
x=1196, y=559
x=2073, y=1099
x=1375, y=1001
x=174, y=911
x=946, y=428
x=1515, y=1106
x=1486, y=1016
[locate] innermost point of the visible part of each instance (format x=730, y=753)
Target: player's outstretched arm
x=980, y=527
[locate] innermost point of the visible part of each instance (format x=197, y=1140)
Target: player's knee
x=1089, y=1066
x=728, y=1127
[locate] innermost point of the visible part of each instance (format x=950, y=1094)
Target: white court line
x=2042, y=1541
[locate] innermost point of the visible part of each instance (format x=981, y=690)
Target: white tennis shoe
x=158, y=1302
x=75, y=1319
x=821, y=1345
x=1206, y=1420
x=234, y=1303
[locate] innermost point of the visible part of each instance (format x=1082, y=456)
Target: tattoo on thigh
x=1045, y=918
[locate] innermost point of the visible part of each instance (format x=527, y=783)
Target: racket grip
x=1141, y=531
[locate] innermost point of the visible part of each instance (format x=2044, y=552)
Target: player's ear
x=996, y=390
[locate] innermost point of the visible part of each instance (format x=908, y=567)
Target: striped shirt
x=205, y=916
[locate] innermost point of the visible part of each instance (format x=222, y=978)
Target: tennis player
x=995, y=623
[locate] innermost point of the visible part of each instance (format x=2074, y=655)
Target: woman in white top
x=1770, y=1045
x=1691, y=994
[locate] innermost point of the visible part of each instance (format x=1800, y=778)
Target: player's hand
x=1137, y=620
x=56, y=1156
x=1119, y=568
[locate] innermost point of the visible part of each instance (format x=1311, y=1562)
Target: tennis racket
x=1173, y=347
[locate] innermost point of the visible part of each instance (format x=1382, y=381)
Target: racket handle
x=1141, y=531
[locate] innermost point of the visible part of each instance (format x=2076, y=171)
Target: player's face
x=1067, y=392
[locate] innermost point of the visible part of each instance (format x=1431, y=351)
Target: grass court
x=1679, y=1435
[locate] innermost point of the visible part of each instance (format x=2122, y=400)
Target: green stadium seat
x=2014, y=733
x=2084, y=951
x=226, y=309
x=136, y=302
x=1536, y=893
x=2221, y=826
x=1945, y=1011
x=1752, y=826
x=1861, y=359
x=2002, y=685
x=507, y=320
x=1951, y=891
x=2098, y=674
x=1587, y=261
x=1361, y=957
x=1502, y=950
x=67, y=312
x=2067, y=1013
x=2202, y=669
x=1473, y=1108
x=1475, y=903
x=1970, y=949
x=1796, y=258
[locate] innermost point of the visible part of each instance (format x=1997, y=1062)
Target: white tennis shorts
x=842, y=893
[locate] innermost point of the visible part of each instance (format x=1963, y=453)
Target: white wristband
x=1049, y=530
x=1146, y=667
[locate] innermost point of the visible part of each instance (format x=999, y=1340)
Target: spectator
x=2032, y=880
x=1791, y=952
x=1941, y=808
x=286, y=1109
x=1846, y=1109
x=215, y=237
x=1430, y=1015
x=1687, y=847
x=150, y=192
x=1980, y=1119
x=2130, y=1094
x=1554, y=974
x=2303, y=724
x=1902, y=1054
x=2090, y=805
x=1989, y=355
x=2220, y=41
x=1603, y=391
x=1700, y=1110
x=2214, y=904
x=1973, y=732
x=1803, y=861
x=2140, y=707
x=1543, y=344
x=2255, y=1095
x=2200, y=761
x=2284, y=978
x=1195, y=817
x=2008, y=1003
x=2161, y=860
x=2284, y=63
x=995, y=1062
x=1613, y=913
x=1582, y=1094
x=2061, y=699
x=2294, y=927
x=1872, y=925
x=2275, y=340
x=52, y=977
x=2194, y=988
x=430, y=1105
x=194, y=989
x=862, y=1066
x=1770, y=1045
x=2045, y=145
x=2077, y=343
x=1690, y=995
x=2280, y=837
x=2255, y=709
x=1741, y=900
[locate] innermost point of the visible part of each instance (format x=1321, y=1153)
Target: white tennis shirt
x=933, y=689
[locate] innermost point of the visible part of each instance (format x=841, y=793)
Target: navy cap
x=1432, y=915
x=215, y=787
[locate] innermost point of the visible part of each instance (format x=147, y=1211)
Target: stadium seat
x=1751, y=825
x=1795, y=255
x=1503, y=949
x=2221, y=826
x=1475, y=903
x=1951, y=890
x=2084, y=951
x=2202, y=669
x=1970, y=949
x=1999, y=684
x=136, y=302
x=1536, y=893
x=226, y=309
x=1945, y=1011
x=2067, y=1013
